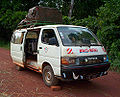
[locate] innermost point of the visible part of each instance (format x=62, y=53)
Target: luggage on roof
x=41, y=15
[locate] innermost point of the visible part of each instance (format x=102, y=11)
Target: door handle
x=40, y=47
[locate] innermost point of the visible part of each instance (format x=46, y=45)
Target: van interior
x=31, y=43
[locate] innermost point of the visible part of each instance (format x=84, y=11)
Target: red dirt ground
x=28, y=83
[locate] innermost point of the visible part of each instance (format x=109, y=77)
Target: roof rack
x=35, y=23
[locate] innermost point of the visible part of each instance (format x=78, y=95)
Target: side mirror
x=53, y=41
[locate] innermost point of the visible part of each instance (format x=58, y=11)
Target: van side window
x=49, y=37
x=17, y=38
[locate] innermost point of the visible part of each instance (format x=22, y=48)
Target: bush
x=67, y=20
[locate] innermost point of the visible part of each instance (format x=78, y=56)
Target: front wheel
x=48, y=76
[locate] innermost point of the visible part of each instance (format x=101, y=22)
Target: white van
x=59, y=52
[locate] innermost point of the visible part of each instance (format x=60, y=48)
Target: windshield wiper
x=90, y=45
x=95, y=45
x=84, y=45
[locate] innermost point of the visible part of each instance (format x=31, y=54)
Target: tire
x=19, y=68
x=48, y=76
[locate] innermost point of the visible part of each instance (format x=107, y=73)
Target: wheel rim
x=48, y=76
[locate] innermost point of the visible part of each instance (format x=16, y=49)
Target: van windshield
x=77, y=36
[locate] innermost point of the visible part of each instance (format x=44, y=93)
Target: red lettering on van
x=88, y=50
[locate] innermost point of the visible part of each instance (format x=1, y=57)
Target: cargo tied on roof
x=40, y=16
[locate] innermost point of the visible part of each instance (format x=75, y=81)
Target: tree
x=84, y=8
x=51, y=3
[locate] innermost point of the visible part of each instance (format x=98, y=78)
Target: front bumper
x=84, y=72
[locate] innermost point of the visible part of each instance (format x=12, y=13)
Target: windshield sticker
x=88, y=50
x=69, y=51
x=61, y=34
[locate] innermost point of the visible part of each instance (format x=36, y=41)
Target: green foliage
x=90, y=22
x=115, y=50
x=109, y=27
x=9, y=21
x=51, y=3
x=67, y=20
x=84, y=8
x=4, y=44
x=115, y=65
x=9, y=18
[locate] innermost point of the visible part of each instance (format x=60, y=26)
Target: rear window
x=17, y=38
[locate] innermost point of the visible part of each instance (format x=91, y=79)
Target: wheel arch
x=45, y=64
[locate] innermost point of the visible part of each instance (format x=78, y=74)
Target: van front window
x=77, y=36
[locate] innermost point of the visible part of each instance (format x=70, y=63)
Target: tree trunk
x=71, y=8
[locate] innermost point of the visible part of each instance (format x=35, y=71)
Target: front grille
x=91, y=60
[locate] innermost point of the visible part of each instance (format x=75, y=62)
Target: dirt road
x=28, y=83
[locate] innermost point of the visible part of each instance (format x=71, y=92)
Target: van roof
x=50, y=26
x=62, y=26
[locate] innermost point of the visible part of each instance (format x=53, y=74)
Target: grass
x=4, y=44
x=115, y=65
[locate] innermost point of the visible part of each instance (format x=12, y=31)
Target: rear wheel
x=48, y=76
x=19, y=68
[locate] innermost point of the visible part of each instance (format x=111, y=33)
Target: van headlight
x=69, y=60
x=105, y=58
